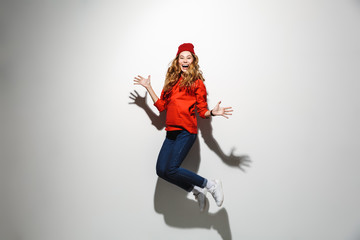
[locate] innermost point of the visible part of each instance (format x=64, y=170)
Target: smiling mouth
x=185, y=66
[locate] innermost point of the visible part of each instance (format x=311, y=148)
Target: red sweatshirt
x=180, y=106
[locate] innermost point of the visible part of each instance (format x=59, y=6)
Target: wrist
x=211, y=113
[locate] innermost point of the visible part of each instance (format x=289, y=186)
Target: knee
x=169, y=172
x=165, y=173
x=160, y=172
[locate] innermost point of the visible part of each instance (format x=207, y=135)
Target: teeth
x=185, y=65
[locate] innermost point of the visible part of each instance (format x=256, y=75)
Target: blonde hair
x=189, y=77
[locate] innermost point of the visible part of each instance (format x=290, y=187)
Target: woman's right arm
x=145, y=82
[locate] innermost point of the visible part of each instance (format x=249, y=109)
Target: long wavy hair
x=189, y=77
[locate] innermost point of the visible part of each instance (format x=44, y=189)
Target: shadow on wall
x=171, y=201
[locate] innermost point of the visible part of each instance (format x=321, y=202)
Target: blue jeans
x=172, y=154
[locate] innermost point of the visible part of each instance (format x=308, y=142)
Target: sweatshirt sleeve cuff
x=159, y=105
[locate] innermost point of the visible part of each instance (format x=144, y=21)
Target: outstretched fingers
x=227, y=111
x=137, y=80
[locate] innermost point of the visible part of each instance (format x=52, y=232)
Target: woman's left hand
x=222, y=111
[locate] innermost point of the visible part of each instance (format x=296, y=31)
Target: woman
x=183, y=92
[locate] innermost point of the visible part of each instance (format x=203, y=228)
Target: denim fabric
x=172, y=154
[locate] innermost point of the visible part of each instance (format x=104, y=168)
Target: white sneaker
x=200, y=196
x=217, y=192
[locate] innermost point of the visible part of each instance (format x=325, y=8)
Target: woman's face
x=185, y=59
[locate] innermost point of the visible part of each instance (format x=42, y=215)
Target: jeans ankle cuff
x=204, y=183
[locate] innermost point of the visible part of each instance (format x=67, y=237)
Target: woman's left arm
x=202, y=105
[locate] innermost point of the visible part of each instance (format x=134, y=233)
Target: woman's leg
x=163, y=161
x=172, y=154
x=181, y=147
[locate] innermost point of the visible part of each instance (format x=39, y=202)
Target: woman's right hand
x=145, y=82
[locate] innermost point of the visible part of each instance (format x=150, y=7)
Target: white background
x=78, y=161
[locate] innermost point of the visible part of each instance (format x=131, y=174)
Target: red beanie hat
x=186, y=47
